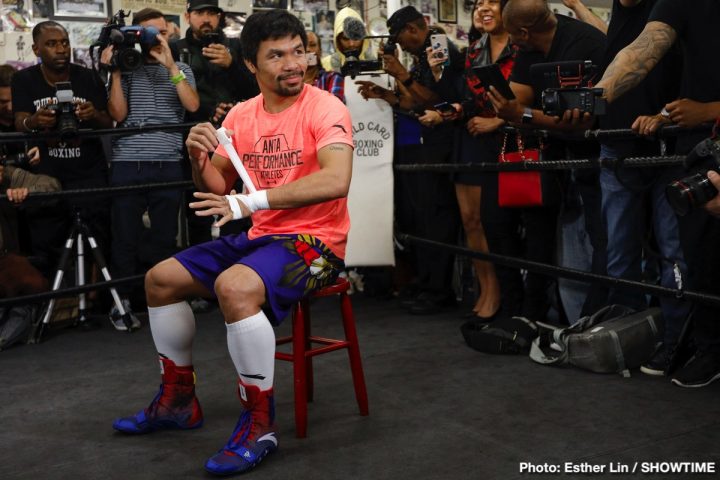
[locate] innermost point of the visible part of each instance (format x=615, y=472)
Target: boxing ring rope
x=547, y=269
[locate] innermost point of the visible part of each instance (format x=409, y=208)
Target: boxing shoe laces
x=174, y=407
x=253, y=438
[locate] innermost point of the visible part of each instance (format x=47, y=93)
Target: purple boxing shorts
x=290, y=265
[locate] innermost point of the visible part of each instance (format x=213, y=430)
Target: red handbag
x=519, y=189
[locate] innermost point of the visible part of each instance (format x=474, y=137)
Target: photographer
x=75, y=162
x=544, y=37
x=17, y=275
x=432, y=211
x=694, y=26
x=221, y=77
x=634, y=199
x=157, y=93
x=347, y=43
x=14, y=150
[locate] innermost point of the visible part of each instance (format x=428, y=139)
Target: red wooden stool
x=303, y=351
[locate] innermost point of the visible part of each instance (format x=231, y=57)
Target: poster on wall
x=234, y=22
x=168, y=7
x=81, y=36
x=269, y=4
x=323, y=25
x=310, y=5
x=447, y=11
x=81, y=9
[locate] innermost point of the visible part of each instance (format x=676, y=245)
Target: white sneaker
x=116, y=318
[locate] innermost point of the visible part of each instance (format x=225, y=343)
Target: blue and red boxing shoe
x=254, y=436
x=174, y=407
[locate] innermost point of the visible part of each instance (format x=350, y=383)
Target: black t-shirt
x=659, y=88
x=422, y=74
x=696, y=24
x=71, y=160
x=215, y=84
x=573, y=41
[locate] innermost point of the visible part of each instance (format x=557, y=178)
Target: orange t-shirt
x=278, y=148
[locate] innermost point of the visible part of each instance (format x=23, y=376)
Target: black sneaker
x=700, y=371
x=658, y=364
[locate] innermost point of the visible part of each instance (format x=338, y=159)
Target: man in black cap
x=221, y=76
x=430, y=198
x=408, y=28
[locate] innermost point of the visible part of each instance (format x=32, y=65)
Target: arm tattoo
x=634, y=62
x=337, y=148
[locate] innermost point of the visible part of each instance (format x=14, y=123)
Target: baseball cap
x=194, y=5
x=402, y=17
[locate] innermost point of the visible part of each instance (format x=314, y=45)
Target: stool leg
x=309, y=378
x=299, y=371
x=354, y=353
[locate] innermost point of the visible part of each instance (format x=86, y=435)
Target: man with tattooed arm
x=694, y=25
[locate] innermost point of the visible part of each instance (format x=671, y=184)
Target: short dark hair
x=269, y=25
x=40, y=27
x=146, y=14
x=6, y=75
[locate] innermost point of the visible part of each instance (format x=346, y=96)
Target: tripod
x=79, y=232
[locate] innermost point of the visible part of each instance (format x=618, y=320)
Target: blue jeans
x=624, y=211
x=582, y=245
x=574, y=251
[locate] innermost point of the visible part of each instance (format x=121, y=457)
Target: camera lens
x=551, y=102
x=128, y=59
x=685, y=194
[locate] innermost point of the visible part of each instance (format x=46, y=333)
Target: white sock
x=173, y=330
x=251, y=343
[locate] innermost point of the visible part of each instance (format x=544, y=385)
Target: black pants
x=700, y=239
x=127, y=210
x=426, y=206
x=504, y=228
x=50, y=226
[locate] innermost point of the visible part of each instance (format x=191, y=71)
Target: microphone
x=354, y=29
x=116, y=36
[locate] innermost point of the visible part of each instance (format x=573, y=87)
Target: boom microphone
x=354, y=29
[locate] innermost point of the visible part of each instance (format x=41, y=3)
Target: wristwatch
x=408, y=82
x=527, y=116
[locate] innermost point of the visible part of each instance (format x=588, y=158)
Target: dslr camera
x=125, y=40
x=568, y=86
x=696, y=189
x=67, y=122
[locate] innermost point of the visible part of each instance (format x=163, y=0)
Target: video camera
x=696, y=189
x=125, y=40
x=353, y=66
x=354, y=29
x=568, y=86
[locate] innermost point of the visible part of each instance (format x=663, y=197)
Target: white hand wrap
x=254, y=201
